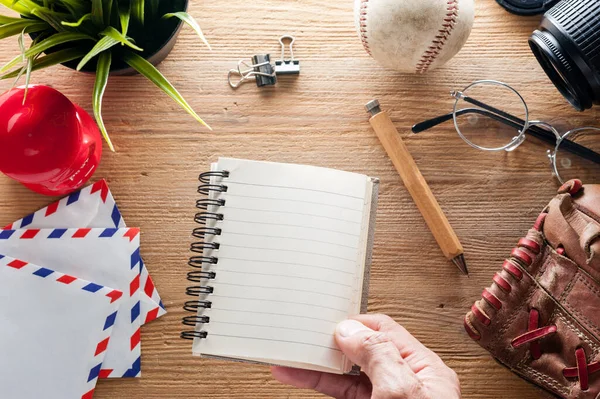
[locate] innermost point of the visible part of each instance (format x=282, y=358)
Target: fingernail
x=348, y=328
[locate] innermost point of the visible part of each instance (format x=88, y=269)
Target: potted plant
x=107, y=37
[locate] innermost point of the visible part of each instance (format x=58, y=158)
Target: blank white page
x=290, y=263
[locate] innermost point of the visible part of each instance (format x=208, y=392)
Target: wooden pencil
x=417, y=186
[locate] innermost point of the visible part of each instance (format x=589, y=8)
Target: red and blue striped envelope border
x=151, y=306
x=112, y=296
x=132, y=302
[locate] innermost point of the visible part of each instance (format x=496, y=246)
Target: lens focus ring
x=579, y=19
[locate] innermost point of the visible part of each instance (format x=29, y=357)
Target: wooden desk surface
x=318, y=118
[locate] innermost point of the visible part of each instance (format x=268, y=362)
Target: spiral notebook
x=283, y=254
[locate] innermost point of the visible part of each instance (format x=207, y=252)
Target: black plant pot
x=157, y=39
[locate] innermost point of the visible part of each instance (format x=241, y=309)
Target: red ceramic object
x=49, y=144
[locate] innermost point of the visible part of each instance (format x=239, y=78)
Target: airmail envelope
x=95, y=207
x=110, y=257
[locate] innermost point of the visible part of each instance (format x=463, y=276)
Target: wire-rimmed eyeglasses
x=492, y=116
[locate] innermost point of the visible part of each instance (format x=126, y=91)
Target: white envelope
x=95, y=207
x=54, y=332
x=110, y=257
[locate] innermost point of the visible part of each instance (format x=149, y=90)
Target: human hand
x=395, y=365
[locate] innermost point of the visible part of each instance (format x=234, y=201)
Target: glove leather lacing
x=583, y=369
x=534, y=332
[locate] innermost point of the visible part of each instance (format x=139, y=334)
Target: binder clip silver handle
x=287, y=67
x=261, y=70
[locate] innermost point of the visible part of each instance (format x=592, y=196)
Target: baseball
x=413, y=35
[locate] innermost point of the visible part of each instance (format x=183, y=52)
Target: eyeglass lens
x=480, y=115
x=570, y=166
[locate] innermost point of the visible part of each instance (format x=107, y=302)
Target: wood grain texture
x=318, y=118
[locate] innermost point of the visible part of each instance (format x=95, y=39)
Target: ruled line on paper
x=280, y=288
x=294, y=225
x=229, y=182
x=228, y=194
x=271, y=314
x=275, y=300
x=292, y=213
x=213, y=321
x=276, y=340
x=286, y=263
x=289, y=250
x=284, y=275
x=229, y=232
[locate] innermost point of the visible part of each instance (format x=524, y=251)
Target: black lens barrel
x=567, y=45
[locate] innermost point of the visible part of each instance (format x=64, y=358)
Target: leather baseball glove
x=541, y=315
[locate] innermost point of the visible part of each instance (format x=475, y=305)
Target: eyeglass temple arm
x=496, y=114
x=535, y=131
x=433, y=122
x=542, y=133
x=513, y=121
x=419, y=127
x=428, y=124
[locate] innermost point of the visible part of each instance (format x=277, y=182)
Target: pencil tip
x=460, y=262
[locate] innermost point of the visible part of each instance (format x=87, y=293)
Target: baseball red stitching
x=438, y=42
x=363, y=25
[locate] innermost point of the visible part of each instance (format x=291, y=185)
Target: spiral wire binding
x=198, y=262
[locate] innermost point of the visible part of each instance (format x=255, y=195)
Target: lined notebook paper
x=290, y=257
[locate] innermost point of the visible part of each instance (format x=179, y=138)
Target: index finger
x=406, y=343
x=337, y=386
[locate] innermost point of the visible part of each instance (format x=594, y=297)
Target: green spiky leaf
x=107, y=9
x=20, y=73
x=188, y=19
x=98, y=12
x=138, y=10
x=103, y=45
x=149, y=71
x=29, y=69
x=124, y=16
x=116, y=35
x=53, y=19
x=102, y=72
x=52, y=59
x=12, y=63
x=27, y=4
x=110, y=39
x=21, y=41
x=77, y=24
x=5, y=19
x=29, y=25
x=55, y=40
x=16, y=7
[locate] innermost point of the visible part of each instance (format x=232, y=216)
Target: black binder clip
x=287, y=67
x=261, y=69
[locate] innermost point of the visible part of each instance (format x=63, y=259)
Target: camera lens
x=567, y=46
x=527, y=7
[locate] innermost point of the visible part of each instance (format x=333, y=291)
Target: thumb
x=377, y=355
